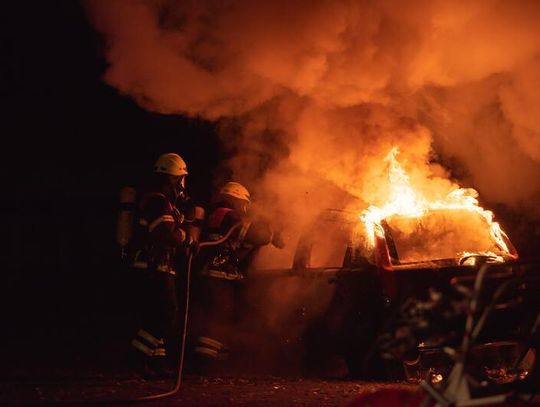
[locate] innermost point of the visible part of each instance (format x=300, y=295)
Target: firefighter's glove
x=186, y=206
x=180, y=236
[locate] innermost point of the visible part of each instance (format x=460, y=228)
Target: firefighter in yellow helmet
x=159, y=238
x=224, y=268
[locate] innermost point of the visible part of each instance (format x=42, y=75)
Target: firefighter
x=224, y=267
x=159, y=238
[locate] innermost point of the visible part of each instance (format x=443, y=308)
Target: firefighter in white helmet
x=224, y=268
x=159, y=238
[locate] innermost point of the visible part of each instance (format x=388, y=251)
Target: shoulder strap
x=151, y=195
x=216, y=218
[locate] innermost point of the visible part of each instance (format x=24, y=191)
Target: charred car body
x=397, y=268
x=410, y=258
x=405, y=260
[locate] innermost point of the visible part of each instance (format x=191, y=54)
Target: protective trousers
x=158, y=333
x=219, y=316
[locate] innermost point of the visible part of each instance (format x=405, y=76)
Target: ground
x=46, y=387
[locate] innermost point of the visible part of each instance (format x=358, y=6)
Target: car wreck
x=379, y=261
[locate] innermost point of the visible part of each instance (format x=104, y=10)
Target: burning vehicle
x=410, y=231
x=385, y=257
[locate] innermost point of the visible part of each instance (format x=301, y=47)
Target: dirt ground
x=71, y=387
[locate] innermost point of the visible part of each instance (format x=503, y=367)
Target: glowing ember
x=437, y=378
x=444, y=220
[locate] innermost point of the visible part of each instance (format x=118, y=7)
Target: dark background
x=69, y=142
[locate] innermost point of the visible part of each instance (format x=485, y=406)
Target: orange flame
x=406, y=202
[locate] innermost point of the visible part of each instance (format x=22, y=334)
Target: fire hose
x=178, y=382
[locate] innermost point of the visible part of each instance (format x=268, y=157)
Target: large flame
x=407, y=202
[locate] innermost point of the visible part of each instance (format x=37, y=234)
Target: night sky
x=69, y=143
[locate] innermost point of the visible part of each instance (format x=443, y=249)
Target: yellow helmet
x=171, y=164
x=236, y=190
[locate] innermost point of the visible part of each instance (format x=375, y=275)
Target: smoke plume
x=311, y=95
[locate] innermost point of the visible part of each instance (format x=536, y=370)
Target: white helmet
x=171, y=164
x=236, y=190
